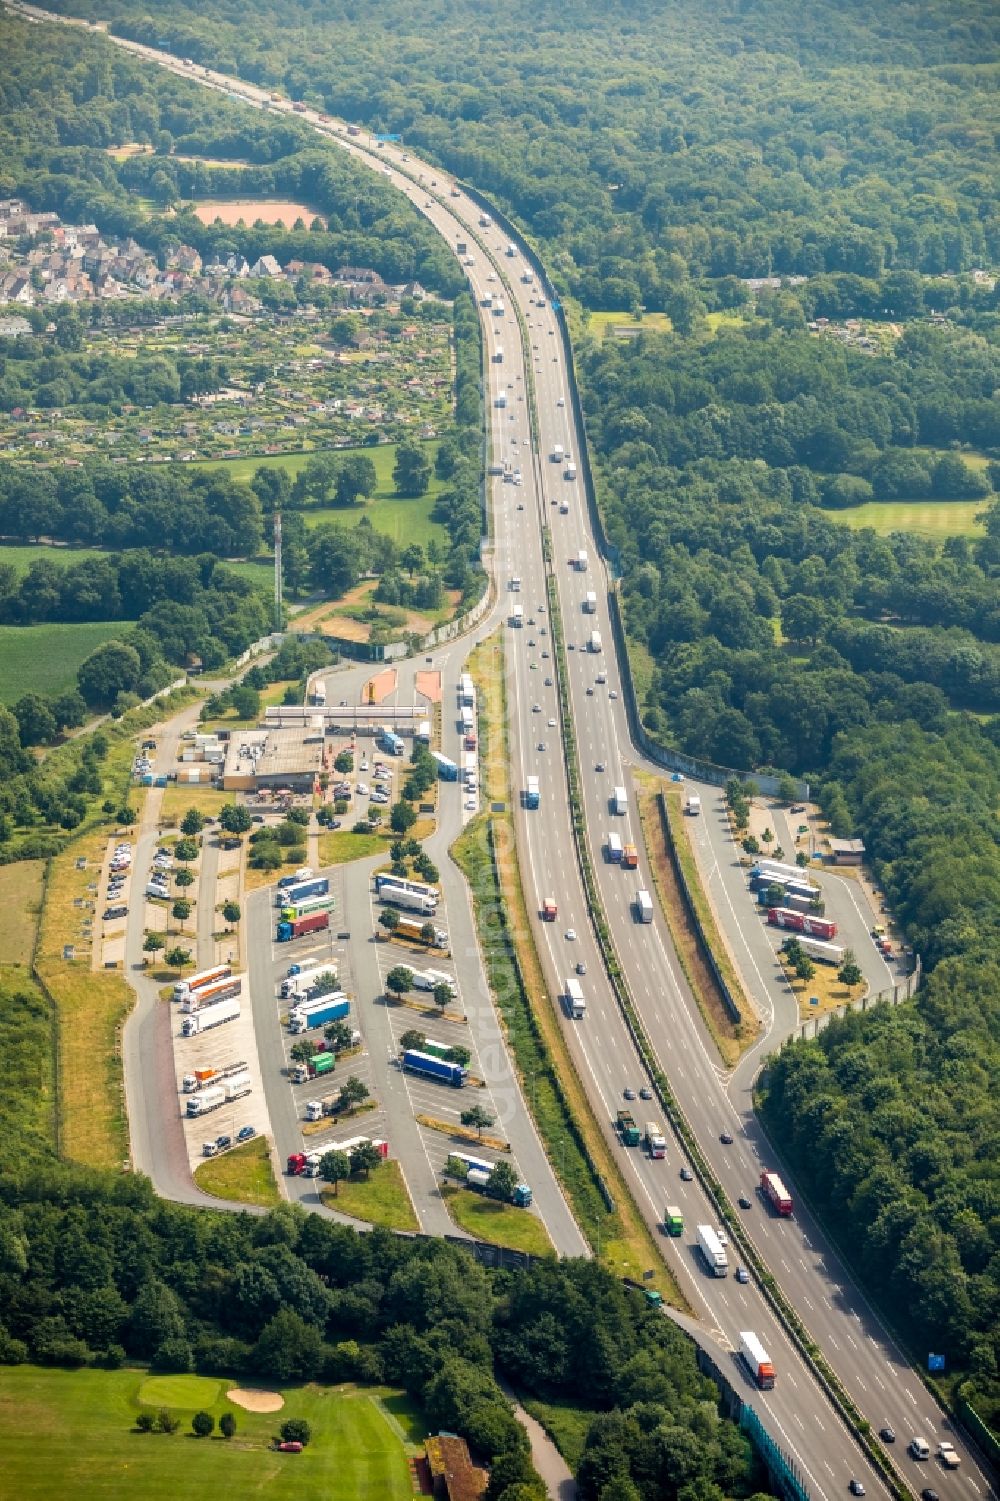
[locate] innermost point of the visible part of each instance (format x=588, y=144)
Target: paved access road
x=883, y=1387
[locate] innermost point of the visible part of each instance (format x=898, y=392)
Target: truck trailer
x=614, y=849
x=223, y=991
x=656, y=1142
x=297, y=987
x=712, y=1250
x=417, y=1062
x=532, y=797
x=306, y=907
x=312, y=1014
x=595, y=644
x=620, y=800
x=756, y=1360
x=201, y=1078
x=430, y=979
x=290, y=896
x=582, y=561
x=412, y=930
x=558, y=454
x=409, y=901
x=576, y=1005
x=200, y=981
x=644, y=906
x=224, y=1093
x=786, y=917
x=298, y=927
x=627, y=1128
x=211, y=1016
x=826, y=953
x=447, y=769
x=590, y=603
x=776, y=1194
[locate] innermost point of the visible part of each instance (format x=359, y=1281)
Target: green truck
x=627, y=1129
x=673, y=1220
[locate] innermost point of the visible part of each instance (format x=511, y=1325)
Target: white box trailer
x=582, y=560
x=590, y=603
x=210, y=1016
x=595, y=644
x=430, y=979
x=712, y=1250
x=498, y=355
x=644, y=906
x=620, y=800
x=576, y=1005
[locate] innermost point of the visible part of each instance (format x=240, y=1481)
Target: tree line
x=97, y=1271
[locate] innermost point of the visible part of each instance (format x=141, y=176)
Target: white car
x=571, y=934
x=723, y=1238
x=471, y=805
x=613, y=693
x=363, y=766
x=552, y=724
x=561, y=402
x=602, y=677
x=362, y=789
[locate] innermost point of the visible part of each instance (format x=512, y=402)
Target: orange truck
x=630, y=857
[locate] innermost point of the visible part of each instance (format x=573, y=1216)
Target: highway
x=884, y=1388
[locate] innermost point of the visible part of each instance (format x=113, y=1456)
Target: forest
x=95, y=1270
x=723, y=139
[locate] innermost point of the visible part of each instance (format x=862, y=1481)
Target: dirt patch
x=232, y=210
x=378, y=688
x=256, y=1401
x=346, y=628
x=429, y=684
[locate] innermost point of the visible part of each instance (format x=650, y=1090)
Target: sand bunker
x=256, y=1401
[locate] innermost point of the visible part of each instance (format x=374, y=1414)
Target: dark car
x=887, y=1434
x=111, y=913
x=687, y=1175
x=797, y=808
x=246, y=1132
x=645, y=1093
x=726, y=1139
x=745, y=1203
x=628, y=1094
x=928, y=1494
x=856, y=1488
x=222, y=1142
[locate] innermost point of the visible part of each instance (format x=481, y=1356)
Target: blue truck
x=416, y=1062
x=291, y=896
x=389, y=741
x=447, y=769
x=311, y=1014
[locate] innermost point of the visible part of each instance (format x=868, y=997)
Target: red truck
x=549, y=909
x=296, y=1164
x=297, y=927
x=786, y=917
x=819, y=927
x=776, y=1194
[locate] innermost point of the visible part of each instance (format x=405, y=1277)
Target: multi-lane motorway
x=883, y=1387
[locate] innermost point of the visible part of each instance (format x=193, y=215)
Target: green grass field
x=21, y=558
x=63, y=1430
x=501, y=1224
x=565, y=1424
x=44, y=658
x=936, y=519
x=244, y=1174
x=404, y=521
x=381, y=1199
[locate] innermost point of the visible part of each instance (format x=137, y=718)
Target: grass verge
x=341, y=847
x=382, y=1199
x=90, y=1008
x=177, y=800
x=566, y=1426
x=244, y=1174
x=21, y=887
x=573, y=1139
x=84, y=1424
x=731, y=1038
x=500, y=1224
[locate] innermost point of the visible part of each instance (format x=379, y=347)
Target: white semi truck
x=712, y=1250
x=210, y=1016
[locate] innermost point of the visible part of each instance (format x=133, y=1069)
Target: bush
x=295, y=1431
x=145, y=1422
x=202, y=1424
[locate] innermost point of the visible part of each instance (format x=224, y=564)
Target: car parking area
x=114, y=892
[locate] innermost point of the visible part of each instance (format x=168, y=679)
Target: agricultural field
x=20, y=908
x=44, y=658
x=936, y=519
x=200, y=386
x=83, y=1423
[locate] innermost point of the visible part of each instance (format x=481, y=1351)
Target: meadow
x=75, y=1430
x=936, y=519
